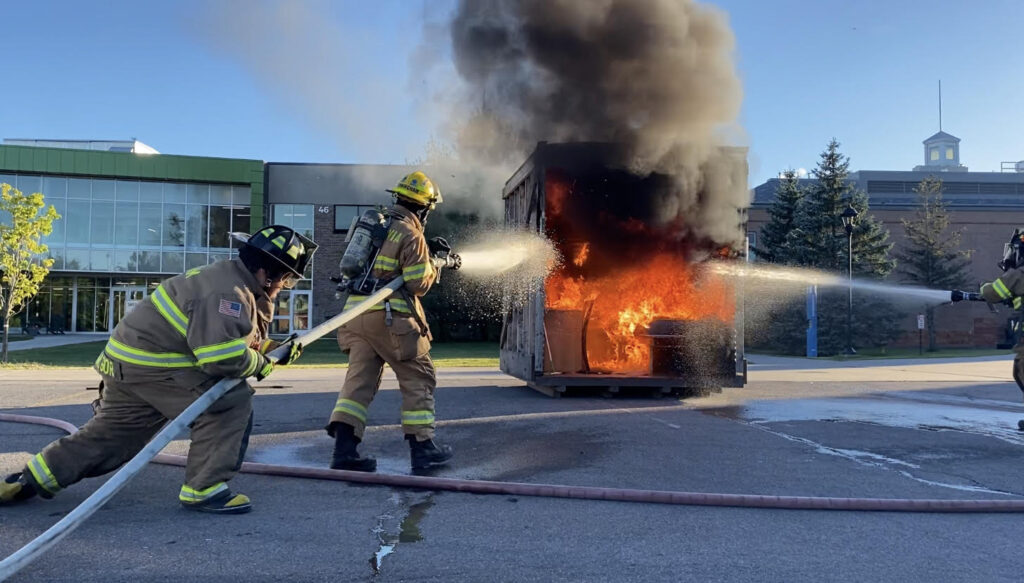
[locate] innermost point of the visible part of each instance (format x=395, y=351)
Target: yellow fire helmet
x=417, y=188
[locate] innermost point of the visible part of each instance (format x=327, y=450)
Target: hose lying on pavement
x=592, y=493
x=76, y=517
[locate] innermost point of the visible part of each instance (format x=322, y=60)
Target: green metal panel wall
x=144, y=166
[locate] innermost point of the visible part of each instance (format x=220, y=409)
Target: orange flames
x=625, y=303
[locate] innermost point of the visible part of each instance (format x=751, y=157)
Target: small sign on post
x=920, y=334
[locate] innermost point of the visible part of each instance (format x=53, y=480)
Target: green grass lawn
x=321, y=354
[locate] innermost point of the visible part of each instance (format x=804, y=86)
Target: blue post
x=812, y=321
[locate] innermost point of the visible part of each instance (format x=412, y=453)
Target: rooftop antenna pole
x=940, y=105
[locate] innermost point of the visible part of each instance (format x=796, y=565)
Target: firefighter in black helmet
x=1008, y=289
x=194, y=329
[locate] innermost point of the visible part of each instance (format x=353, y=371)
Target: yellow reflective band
x=352, y=408
x=254, y=362
x=1017, y=302
x=41, y=472
x=293, y=251
x=417, y=417
x=394, y=236
x=222, y=351
x=1001, y=289
x=397, y=304
x=267, y=232
x=126, y=353
x=267, y=369
x=192, y=495
x=279, y=241
x=386, y=261
x=415, y=272
x=169, y=310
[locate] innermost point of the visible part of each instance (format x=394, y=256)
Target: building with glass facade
x=127, y=222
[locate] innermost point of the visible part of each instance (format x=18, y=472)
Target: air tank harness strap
x=387, y=313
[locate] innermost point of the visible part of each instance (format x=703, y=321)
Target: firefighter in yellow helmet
x=196, y=328
x=394, y=332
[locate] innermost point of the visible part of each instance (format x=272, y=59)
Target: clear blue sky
x=192, y=78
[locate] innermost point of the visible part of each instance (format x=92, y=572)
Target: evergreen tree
x=933, y=257
x=818, y=240
x=774, y=244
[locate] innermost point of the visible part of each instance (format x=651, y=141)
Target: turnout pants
x=370, y=343
x=1018, y=370
x=131, y=414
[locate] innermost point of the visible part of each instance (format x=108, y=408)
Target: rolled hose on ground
x=590, y=492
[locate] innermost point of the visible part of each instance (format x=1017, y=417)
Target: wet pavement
x=905, y=429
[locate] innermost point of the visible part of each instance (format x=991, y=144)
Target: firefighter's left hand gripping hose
x=25, y=555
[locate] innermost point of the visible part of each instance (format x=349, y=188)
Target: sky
x=348, y=82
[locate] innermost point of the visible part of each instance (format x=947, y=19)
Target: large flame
x=625, y=303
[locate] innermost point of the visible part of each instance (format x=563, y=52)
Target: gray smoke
x=655, y=75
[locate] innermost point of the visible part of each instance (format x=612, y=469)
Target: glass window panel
x=56, y=236
x=220, y=225
x=30, y=184
x=173, y=262
x=103, y=190
x=283, y=214
x=949, y=153
x=79, y=188
x=934, y=154
x=174, y=192
x=86, y=309
x=302, y=219
x=101, y=260
x=125, y=260
x=343, y=216
x=127, y=189
x=102, y=223
x=150, y=221
x=76, y=259
x=57, y=254
x=102, y=281
x=174, y=225
x=151, y=191
x=197, y=193
x=195, y=260
x=102, y=309
x=9, y=179
x=215, y=257
x=148, y=261
x=220, y=194
x=197, y=227
x=55, y=187
x=241, y=195
x=60, y=308
x=76, y=222
x=126, y=227
x=239, y=222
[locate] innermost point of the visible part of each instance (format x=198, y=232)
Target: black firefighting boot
x=427, y=454
x=345, y=455
x=16, y=488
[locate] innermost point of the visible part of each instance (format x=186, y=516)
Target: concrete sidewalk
x=51, y=340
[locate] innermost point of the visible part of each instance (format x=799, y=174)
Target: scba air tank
x=367, y=236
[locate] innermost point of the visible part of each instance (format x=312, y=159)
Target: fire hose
x=54, y=534
x=76, y=517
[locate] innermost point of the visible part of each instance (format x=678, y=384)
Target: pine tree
x=933, y=257
x=818, y=240
x=774, y=244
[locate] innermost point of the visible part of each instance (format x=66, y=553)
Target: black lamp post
x=849, y=216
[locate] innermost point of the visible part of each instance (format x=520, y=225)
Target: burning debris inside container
x=621, y=275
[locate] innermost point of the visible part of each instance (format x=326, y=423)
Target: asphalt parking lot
x=935, y=429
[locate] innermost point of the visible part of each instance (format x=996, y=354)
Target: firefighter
x=394, y=332
x=1008, y=288
x=194, y=329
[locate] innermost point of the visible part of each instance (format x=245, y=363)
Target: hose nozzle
x=962, y=296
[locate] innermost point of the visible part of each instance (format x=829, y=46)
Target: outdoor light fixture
x=849, y=216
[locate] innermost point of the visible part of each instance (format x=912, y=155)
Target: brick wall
x=332, y=245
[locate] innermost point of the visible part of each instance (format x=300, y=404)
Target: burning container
x=632, y=303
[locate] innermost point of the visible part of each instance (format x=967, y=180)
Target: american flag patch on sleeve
x=228, y=308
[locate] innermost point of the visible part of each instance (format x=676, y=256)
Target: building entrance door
x=292, y=313
x=123, y=299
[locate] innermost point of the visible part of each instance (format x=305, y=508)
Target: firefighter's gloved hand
x=438, y=245
x=294, y=351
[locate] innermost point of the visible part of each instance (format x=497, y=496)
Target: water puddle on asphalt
x=922, y=411
x=400, y=524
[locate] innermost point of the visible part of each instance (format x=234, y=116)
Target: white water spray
x=800, y=276
x=527, y=255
